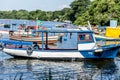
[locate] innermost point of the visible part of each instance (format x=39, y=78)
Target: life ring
x=29, y=50
x=1, y=47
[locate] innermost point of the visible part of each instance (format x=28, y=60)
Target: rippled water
x=35, y=69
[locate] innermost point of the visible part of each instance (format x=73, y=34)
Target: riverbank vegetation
x=98, y=12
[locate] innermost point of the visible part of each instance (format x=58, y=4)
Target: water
x=34, y=69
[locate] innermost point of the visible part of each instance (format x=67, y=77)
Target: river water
x=35, y=69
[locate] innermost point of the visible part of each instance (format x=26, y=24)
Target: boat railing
x=108, y=42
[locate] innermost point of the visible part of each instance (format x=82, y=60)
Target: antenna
x=89, y=25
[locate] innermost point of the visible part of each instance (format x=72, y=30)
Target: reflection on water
x=87, y=69
x=105, y=69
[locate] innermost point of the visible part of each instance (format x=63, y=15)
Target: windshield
x=85, y=38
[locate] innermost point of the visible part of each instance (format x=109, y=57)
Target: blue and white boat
x=86, y=47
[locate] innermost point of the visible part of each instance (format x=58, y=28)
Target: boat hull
x=62, y=53
x=44, y=54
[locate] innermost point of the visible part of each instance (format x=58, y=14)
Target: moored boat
x=25, y=34
x=4, y=32
x=86, y=47
x=99, y=37
x=52, y=39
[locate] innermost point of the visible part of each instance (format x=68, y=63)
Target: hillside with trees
x=98, y=12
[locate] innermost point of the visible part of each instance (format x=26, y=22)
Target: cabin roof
x=55, y=30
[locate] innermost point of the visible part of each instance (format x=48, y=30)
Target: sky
x=31, y=5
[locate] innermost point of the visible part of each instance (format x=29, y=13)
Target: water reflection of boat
x=36, y=69
x=87, y=69
x=101, y=69
x=85, y=38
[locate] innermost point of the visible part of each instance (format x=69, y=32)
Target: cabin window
x=6, y=26
x=85, y=38
x=14, y=24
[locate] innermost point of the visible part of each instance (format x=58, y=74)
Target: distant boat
x=4, y=32
x=99, y=37
x=86, y=47
x=26, y=35
x=51, y=39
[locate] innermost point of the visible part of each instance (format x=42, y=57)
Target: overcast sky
x=30, y=5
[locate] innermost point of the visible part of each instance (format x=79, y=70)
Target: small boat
x=4, y=32
x=25, y=34
x=86, y=47
x=52, y=39
x=99, y=37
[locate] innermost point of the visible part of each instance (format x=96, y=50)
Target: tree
x=66, y=12
x=78, y=8
x=22, y=14
x=100, y=12
x=82, y=20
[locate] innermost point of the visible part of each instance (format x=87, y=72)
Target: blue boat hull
x=108, y=53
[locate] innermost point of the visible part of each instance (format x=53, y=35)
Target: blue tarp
x=13, y=42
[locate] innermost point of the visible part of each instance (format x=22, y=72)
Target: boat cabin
x=84, y=38
x=79, y=41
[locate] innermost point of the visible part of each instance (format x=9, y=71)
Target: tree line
x=98, y=12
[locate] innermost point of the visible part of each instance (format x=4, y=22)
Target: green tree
x=22, y=14
x=78, y=8
x=82, y=20
x=65, y=14
x=49, y=15
x=100, y=12
x=32, y=15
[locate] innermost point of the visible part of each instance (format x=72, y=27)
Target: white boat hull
x=45, y=54
x=4, y=32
